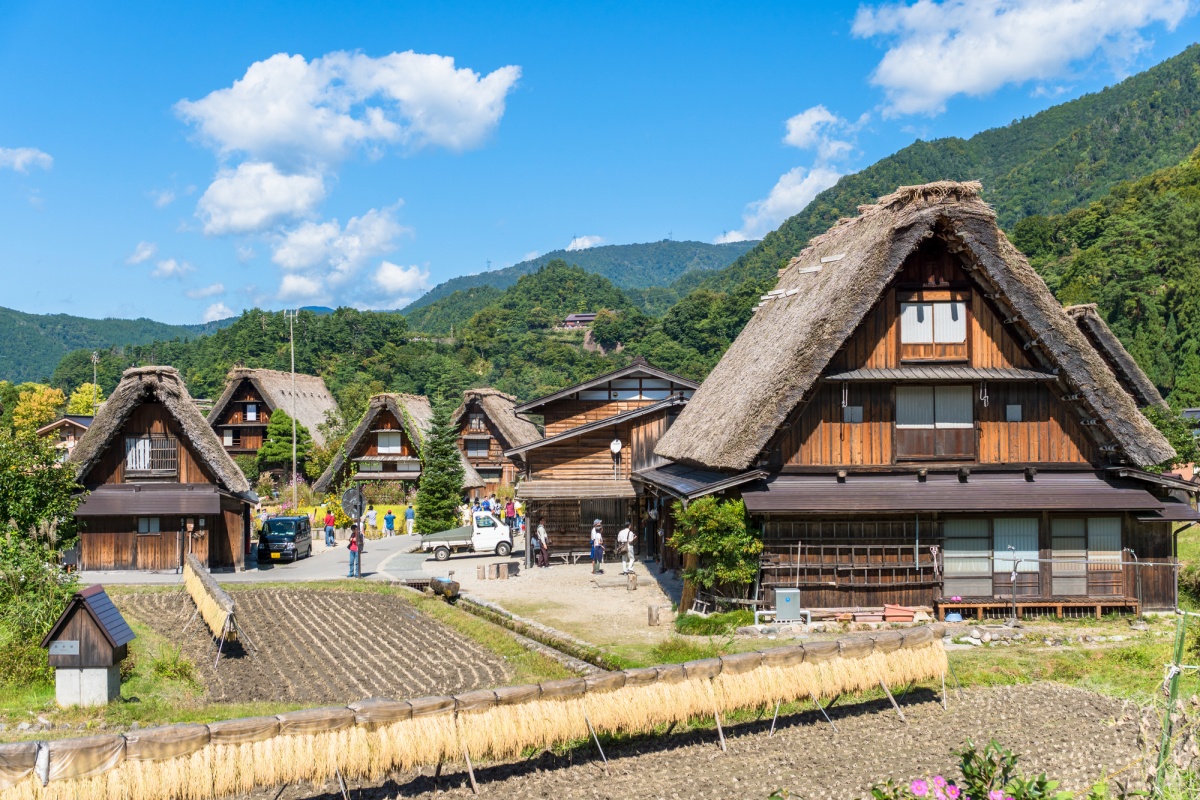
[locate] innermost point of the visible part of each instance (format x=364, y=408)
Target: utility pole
x=95, y=388
x=292, y=339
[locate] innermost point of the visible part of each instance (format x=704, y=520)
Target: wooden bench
x=1058, y=605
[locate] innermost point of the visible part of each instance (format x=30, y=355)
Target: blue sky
x=184, y=164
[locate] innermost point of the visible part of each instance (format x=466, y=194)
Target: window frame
x=932, y=348
x=391, y=449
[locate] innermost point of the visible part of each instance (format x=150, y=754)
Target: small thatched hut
x=487, y=426
x=383, y=452
x=241, y=413
x=935, y=425
x=160, y=483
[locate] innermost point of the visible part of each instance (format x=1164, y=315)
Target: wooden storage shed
x=87, y=645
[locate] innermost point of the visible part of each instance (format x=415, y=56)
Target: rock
x=3, y=727
x=974, y=641
x=975, y=633
x=133, y=726
x=987, y=637
x=747, y=630
x=24, y=726
x=1138, y=625
x=1117, y=638
x=43, y=720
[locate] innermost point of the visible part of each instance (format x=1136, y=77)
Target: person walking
x=597, y=546
x=543, y=540
x=519, y=507
x=371, y=513
x=510, y=517
x=330, y=521
x=389, y=523
x=410, y=519
x=355, y=548
x=625, y=549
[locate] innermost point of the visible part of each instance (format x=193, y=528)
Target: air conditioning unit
x=787, y=605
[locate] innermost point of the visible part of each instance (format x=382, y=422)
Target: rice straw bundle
x=375, y=737
x=214, y=604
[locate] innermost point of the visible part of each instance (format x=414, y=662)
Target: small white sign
x=66, y=647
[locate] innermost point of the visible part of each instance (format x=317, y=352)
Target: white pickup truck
x=486, y=534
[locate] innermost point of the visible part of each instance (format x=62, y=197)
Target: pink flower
x=920, y=788
x=952, y=792
x=939, y=781
x=995, y=794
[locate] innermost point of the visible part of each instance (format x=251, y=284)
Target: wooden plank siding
x=495, y=458
x=563, y=415
x=385, y=421
x=148, y=418
x=588, y=456
x=868, y=560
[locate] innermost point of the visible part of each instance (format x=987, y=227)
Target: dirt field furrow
x=316, y=647
x=1069, y=733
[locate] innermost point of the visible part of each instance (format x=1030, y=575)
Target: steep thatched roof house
x=384, y=449
x=599, y=435
x=488, y=424
x=925, y=408
x=160, y=483
x=1131, y=376
x=241, y=413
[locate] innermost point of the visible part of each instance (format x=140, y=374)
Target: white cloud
x=162, y=197
x=398, y=281
x=292, y=110
x=532, y=254
x=171, y=268
x=217, y=311
x=818, y=128
x=256, y=196
x=206, y=291
x=791, y=193
x=333, y=253
x=245, y=253
x=299, y=287
x=143, y=252
x=22, y=158
x=584, y=242
x=941, y=49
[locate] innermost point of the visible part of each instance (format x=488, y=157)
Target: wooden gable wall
x=1050, y=430
x=588, y=457
x=385, y=420
x=148, y=418
x=234, y=412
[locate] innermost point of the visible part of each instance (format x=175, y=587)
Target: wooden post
x=631, y=582
x=470, y=769
x=825, y=710
x=775, y=718
x=895, y=705
x=481, y=572
x=502, y=571
x=720, y=731
x=596, y=739
x=690, y=561
x=652, y=616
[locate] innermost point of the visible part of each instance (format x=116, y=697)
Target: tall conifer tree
x=441, y=486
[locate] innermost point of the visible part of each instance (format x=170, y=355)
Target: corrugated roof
x=95, y=602
x=688, y=483
x=575, y=489
x=941, y=373
x=982, y=492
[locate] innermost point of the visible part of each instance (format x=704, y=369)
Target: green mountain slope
x=626, y=265
x=1052, y=162
x=1136, y=254
x=31, y=345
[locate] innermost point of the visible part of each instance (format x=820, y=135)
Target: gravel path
x=1069, y=733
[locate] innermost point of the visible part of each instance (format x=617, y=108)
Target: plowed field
x=1069, y=733
x=317, y=647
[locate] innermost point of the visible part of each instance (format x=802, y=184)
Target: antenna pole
x=95, y=388
x=292, y=338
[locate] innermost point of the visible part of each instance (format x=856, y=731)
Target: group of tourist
x=626, y=547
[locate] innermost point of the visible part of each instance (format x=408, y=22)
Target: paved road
x=384, y=559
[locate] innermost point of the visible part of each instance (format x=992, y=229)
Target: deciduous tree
x=37, y=406
x=85, y=399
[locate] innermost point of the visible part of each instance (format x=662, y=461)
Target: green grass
x=713, y=624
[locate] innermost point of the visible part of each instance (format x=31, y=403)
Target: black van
x=285, y=539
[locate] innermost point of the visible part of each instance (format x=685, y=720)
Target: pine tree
x=276, y=450
x=441, y=486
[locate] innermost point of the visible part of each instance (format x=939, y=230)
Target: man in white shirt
x=371, y=517
x=625, y=549
x=597, y=546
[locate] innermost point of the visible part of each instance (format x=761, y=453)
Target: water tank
x=787, y=605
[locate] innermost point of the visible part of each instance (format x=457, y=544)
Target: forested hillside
x=1052, y=162
x=1136, y=254
x=628, y=266
x=31, y=345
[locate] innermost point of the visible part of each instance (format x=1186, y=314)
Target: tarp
x=171, y=741
x=605, y=682
x=243, y=731
x=16, y=761
x=315, y=720
x=377, y=711
x=85, y=757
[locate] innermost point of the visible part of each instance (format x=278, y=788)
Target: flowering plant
x=989, y=774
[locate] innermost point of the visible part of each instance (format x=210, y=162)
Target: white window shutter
x=916, y=323
x=954, y=407
x=1022, y=534
x=914, y=407
x=950, y=322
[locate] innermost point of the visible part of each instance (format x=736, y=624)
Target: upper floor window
x=251, y=412
x=152, y=454
x=390, y=442
x=935, y=422
x=478, y=448
x=933, y=329
x=232, y=437
x=475, y=422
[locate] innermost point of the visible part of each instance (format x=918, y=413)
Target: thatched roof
x=163, y=385
x=1131, y=376
x=312, y=399
x=414, y=413
x=514, y=429
x=824, y=294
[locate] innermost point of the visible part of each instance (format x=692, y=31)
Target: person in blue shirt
x=410, y=519
x=389, y=523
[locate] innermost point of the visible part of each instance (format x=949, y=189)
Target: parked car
x=486, y=534
x=285, y=539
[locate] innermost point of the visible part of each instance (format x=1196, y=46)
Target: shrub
x=990, y=773
x=715, y=531
x=714, y=624
x=677, y=650
x=1189, y=581
x=248, y=464
x=170, y=663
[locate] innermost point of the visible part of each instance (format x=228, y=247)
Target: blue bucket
x=953, y=616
